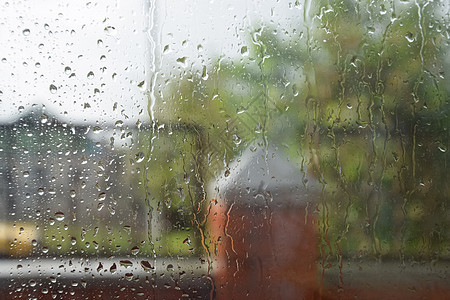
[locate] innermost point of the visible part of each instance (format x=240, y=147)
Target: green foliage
x=359, y=93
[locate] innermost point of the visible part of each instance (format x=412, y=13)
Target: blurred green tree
x=357, y=91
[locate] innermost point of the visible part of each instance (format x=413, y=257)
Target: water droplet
x=72, y=194
x=95, y=231
x=111, y=209
x=236, y=139
x=52, y=279
x=44, y=118
x=204, y=73
x=32, y=283
x=129, y=276
x=241, y=110
x=67, y=70
x=142, y=85
x=170, y=267
x=258, y=128
x=110, y=30
x=59, y=216
x=410, y=37
x=146, y=266
x=127, y=228
x=97, y=129
x=442, y=148
x=40, y=191
x=100, y=206
x=182, y=61
x=21, y=109
x=140, y=157
x=244, y=51
x=119, y=123
x=135, y=250
x=113, y=268
x=44, y=250
x=101, y=196
x=26, y=32
x=126, y=263
x=100, y=267
x=90, y=75
x=26, y=174
x=53, y=89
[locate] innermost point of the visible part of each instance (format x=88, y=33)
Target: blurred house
x=53, y=173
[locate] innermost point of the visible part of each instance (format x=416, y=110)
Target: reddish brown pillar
x=263, y=252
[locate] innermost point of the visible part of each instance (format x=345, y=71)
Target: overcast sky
x=85, y=60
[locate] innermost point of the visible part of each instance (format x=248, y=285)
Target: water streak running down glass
x=224, y=149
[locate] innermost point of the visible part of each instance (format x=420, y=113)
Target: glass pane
x=224, y=149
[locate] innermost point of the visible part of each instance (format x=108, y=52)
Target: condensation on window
x=224, y=149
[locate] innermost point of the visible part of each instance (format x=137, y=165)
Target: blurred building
x=263, y=232
x=55, y=172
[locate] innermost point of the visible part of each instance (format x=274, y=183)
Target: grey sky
x=95, y=53
x=58, y=43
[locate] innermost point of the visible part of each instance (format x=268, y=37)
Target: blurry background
x=117, y=121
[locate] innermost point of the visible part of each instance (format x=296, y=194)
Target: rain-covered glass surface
x=224, y=149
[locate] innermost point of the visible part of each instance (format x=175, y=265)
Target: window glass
x=224, y=149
